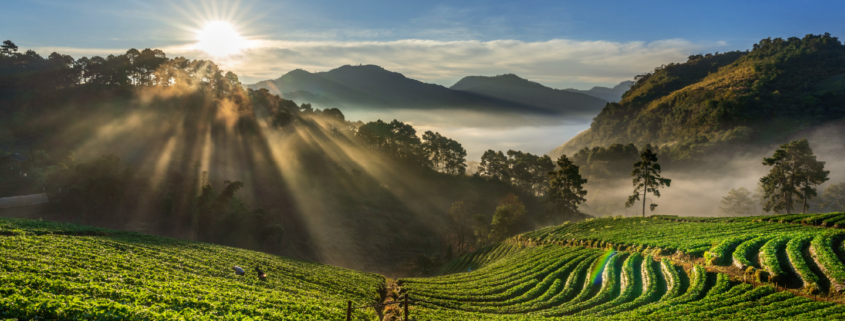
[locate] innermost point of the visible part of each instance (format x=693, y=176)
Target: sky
x=560, y=44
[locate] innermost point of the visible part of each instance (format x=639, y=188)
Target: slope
x=637, y=268
x=610, y=94
x=756, y=97
x=71, y=272
x=513, y=88
x=370, y=86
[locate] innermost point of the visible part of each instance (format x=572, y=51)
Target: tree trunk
x=804, y=205
x=645, y=188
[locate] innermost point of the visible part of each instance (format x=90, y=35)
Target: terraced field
x=625, y=268
x=655, y=268
x=67, y=272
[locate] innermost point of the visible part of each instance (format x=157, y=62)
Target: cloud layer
x=557, y=63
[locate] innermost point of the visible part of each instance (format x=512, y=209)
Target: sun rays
x=219, y=39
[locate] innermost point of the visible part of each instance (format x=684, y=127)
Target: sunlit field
x=419, y=160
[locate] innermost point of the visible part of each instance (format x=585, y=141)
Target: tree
x=445, y=154
x=494, y=165
x=8, y=48
x=647, y=178
x=461, y=215
x=833, y=198
x=524, y=170
x=738, y=202
x=481, y=229
x=794, y=172
x=506, y=218
x=566, y=187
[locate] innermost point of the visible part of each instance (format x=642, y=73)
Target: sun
x=219, y=38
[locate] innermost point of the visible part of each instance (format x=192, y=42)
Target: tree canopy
x=795, y=171
x=647, y=179
x=566, y=188
x=726, y=98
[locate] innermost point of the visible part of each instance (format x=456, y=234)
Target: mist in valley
x=698, y=187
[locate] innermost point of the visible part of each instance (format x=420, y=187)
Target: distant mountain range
x=370, y=86
x=511, y=87
x=610, y=94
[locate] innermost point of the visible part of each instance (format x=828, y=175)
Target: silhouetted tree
x=461, y=215
x=647, y=179
x=833, y=198
x=794, y=172
x=506, y=218
x=446, y=155
x=738, y=202
x=566, y=187
x=495, y=165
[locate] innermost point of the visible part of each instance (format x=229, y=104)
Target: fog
x=698, y=190
x=479, y=131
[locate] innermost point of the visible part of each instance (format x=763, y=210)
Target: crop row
x=58, y=272
x=629, y=288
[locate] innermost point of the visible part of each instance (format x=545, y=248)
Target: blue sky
x=561, y=44
x=678, y=28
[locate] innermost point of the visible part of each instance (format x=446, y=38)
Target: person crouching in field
x=261, y=275
x=239, y=270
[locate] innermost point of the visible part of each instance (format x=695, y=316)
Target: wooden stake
x=349, y=311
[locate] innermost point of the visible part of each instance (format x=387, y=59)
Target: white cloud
x=555, y=62
x=558, y=63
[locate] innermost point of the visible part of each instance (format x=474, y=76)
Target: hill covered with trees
x=177, y=147
x=755, y=97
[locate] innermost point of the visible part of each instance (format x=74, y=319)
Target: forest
x=714, y=102
x=177, y=147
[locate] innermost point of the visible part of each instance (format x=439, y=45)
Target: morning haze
x=471, y=160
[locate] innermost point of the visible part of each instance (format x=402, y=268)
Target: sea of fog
x=480, y=131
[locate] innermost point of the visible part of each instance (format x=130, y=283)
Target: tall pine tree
x=566, y=187
x=795, y=171
x=647, y=179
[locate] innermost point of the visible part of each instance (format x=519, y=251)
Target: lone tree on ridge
x=647, y=179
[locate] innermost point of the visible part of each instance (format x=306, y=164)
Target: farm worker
x=261, y=275
x=238, y=270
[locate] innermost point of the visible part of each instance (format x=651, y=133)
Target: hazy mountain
x=610, y=94
x=373, y=86
x=765, y=96
x=511, y=87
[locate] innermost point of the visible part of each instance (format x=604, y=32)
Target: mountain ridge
x=613, y=94
x=375, y=87
x=514, y=88
x=757, y=97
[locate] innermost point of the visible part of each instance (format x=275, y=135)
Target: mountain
x=759, y=97
x=610, y=94
x=511, y=87
x=373, y=86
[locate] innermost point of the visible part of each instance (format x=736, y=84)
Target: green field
x=620, y=268
x=62, y=271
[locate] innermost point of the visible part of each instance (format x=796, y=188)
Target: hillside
x=70, y=272
x=609, y=94
x=759, y=97
x=662, y=267
x=370, y=86
x=513, y=88
x=648, y=268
